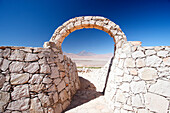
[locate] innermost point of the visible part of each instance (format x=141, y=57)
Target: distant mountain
x=84, y=53
x=71, y=55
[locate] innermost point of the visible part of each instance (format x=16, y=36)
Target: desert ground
x=90, y=62
x=88, y=59
x=88, y=99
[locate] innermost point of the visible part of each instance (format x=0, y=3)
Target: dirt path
x=88, y=100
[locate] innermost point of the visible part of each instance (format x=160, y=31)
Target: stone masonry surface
x=139, y=80
x=41, y=80
x=36, y=80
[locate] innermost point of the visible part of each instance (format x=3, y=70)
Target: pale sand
x=90, y=62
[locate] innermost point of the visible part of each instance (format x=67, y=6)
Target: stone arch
x=97, y=22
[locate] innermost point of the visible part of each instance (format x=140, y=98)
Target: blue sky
x=32, y=22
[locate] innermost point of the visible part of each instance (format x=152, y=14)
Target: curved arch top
x=97, y=22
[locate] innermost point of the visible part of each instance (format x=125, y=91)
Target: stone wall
x=139, y=79
x=36, y=80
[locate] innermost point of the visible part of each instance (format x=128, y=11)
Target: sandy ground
x=87, y=99
x=90, y=62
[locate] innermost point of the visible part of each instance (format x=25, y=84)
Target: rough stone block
x=161, y=87
x=150, y=52
x=88, y=17
x=156, y=103
x=31, y=57
x=6, y=53
x=126, y=48
x=35, y=106
x=166, y=61
x=138, y=54
x=31, y=67
x=66, y=104
x=140, y=63
x=6, y=87
x=37, y=88
x=54, y=72
x=45, y=68
x=55, y=97
x=63, y=95
x=5, y=65
x=4, y=99
x=127, y=78
x=36, y=79
x=1, y=60
x=19, y=78
x=129, y=62
x=136, y=101
x=47, y=80
x=61, y=86
x=162, y=53
x=133, y=72
x=20, y=91
x=52, y=88
x=120, y=97
x=125, y=87
x=45, y=101
x=136, y=43
x=17, y=55
x=2, y=80
x=16, y=66
x=57, y=108
x=70, y=26
x=20, y=105
x=153, y=61
x=56, y=81
x=148, y=73
x=78, y=25
x=138, y=87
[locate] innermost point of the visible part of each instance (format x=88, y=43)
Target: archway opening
x=91, y=50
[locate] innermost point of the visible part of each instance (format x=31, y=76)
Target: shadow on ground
x=86, y=93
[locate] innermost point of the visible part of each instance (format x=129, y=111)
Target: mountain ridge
x=85, y=54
